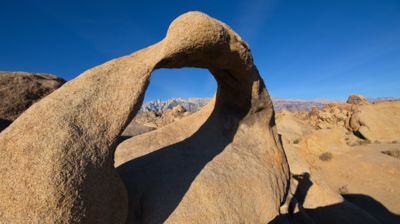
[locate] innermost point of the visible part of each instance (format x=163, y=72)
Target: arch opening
x=182, y=83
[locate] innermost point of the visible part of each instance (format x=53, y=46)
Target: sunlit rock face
x=223, y=164
x=227, y=167
x=19, y=90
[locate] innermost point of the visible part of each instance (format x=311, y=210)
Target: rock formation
x=153, y=120
x=337, y=176
x=134, y=128
x=377, y=122
x=229, y=167
x=331, y=115
x=224, y=162
x=311, y=200
x=356, y=99
x=19, y=90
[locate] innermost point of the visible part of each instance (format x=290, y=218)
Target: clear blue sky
x=303, y=49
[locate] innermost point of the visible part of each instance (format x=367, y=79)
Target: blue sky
x=303, y=49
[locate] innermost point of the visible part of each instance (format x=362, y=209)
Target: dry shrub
x=393, y=153
x=326, y=156
x=364, y=142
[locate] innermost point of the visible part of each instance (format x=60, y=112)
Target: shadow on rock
x=301, y=191
x=356, y=209
x=373, y=207
x=4, y=124
x=158, y=181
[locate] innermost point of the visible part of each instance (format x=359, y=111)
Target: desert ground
x=340, y=164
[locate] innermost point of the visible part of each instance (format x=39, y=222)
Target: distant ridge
x=377, y=99
x=195, y=104
x=190, y=104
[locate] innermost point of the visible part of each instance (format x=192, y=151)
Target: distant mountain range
x=297, y=105
x=376, y=99
x=195, y=104
x=191, y=104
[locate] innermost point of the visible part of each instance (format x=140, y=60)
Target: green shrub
x=296, y=141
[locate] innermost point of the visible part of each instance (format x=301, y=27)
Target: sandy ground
x=366, y=177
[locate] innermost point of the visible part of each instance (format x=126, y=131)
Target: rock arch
x=58, y=155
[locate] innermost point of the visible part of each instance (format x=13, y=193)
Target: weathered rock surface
x=377, y=122
x=223, y=164
x=155, y=120
x=134, y=128
x=367, y=178
x=356, y=99
x=311, y=199
x=331, y=115
x=19, y=90
x=58, y=168
x=337, y=177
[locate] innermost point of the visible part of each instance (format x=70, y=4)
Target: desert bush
x=377, y=142
x=326, y=156
x=395, y=142
x=364, y=142
x=392, y=153
x=296, y=141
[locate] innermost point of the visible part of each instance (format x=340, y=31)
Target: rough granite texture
x=223, y=164
x=377, y=122
x=19, y=90
x=356, y=99
x=58, y=156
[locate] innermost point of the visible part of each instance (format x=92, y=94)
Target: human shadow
x=304, y=184
x=355, y=209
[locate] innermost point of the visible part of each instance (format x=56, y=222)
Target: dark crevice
x=359, y=135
